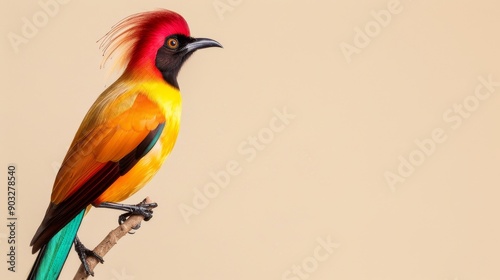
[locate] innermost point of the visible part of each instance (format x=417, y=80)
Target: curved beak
x=201, y=43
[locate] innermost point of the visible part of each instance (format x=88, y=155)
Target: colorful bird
x=125, y=136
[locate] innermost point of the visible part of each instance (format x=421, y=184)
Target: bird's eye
x=172, y=43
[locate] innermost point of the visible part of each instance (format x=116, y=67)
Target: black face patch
x=171, y=56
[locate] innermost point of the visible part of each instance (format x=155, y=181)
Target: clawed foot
x=83, y=253
x=138, y=209
x=142, y=209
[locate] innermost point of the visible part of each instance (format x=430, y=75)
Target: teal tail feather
x=53, y=255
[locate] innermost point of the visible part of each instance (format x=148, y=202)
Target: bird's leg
x=143, y=209
x=83, y=252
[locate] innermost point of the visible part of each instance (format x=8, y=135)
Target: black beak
x=201, y=43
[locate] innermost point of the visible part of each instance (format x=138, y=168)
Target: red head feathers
x=138, y=38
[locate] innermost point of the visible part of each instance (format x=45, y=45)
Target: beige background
x=320, y=177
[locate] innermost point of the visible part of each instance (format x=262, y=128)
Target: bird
x=125, y=136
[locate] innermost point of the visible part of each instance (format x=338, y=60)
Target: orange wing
x=99, y=155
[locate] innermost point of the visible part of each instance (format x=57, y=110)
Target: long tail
x=53, y=255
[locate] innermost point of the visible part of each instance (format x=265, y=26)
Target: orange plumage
x=133, y=125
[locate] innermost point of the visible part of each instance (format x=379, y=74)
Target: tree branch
x=109, y=241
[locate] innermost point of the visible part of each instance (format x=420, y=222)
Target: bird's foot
x=143, y=209
x=83, y=252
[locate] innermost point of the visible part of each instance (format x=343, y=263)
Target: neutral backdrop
x=372, y=89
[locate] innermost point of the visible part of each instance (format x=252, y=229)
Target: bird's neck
x=142, y=68
x=149, y=71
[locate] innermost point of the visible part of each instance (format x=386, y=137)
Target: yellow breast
x=169, y=100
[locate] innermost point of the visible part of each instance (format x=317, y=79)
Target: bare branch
x=109, y=241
